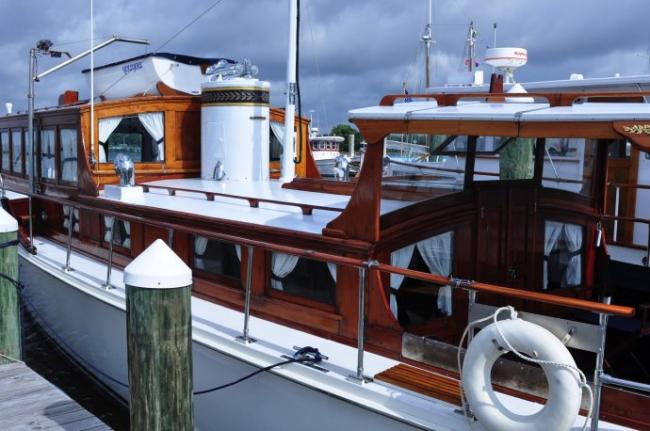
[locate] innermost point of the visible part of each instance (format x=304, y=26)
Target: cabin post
x=159, y=338
x=10, y=343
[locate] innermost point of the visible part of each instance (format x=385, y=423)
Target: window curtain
x=106, y=127
x=127, y=239
x=402, y=259
x=200, y=245
x=553, y=230
x=282, y=265
x=75, y=218
x=108, y=226
x=238, y=251
x=69, y=155
x=437, y=254
x=48, y=161
x=573, y=237
x=278, y=130
x=332, y=269
x=155, y=125
x=16, y=148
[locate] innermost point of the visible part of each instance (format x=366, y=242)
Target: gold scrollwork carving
x=638, y=129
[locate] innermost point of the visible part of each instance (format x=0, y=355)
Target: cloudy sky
x=352, y=51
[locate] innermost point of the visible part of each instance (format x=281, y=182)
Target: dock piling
x=10, y=343
x=159, y=336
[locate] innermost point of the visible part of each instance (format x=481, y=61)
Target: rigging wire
x=298, y=159
x=321, y=99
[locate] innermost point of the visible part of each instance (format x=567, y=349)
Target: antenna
x=427, y=38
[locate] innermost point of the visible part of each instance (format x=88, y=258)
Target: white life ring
x=564, y=389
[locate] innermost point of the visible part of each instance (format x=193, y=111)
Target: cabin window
x=141, y=137
x=68, y=154
x=619, y=149
x=6, y=155
x=569, y=164
x=306, y=278
x=121, y=232
x=276, y=140
x=17, y=151
x=66, y=219
x=563, y=252
x=419, y=167
x=217, y=257
x=504, y=158
x=48, y=156
x=413, y=301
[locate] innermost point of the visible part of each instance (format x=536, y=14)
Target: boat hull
x=93, y=333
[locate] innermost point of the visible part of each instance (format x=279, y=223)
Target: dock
x=29, y=402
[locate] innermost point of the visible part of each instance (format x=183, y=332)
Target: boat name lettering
x=128, y=68
x=638, y=129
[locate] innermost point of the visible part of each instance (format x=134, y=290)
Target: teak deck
x=28, y=401
x=423, y=382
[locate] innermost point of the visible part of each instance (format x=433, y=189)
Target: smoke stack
x=9, y=107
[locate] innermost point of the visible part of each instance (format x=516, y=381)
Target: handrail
x=546, y=298
x=306, y=209
x=629, y=185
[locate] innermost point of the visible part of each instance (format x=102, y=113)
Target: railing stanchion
x=109, y=268
x=617, y=201
x=69, y=245
x=471, y=299
x=598, y=371
x=245, y=337
x=361, y=327
x=647, y=252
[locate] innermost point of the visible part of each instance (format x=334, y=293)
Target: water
x=43, y=356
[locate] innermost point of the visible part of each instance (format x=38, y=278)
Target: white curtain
x=437, y=254
x=127, y=239
x=75, y=218
x=278, y=130
x=282, y=265
x=200, y=245
x=155, y=125
x=69, y=155
x=106, y=127
x=400, y=258
x=238, y=251
x=573, y=237
x=553, y=231
x=108, y=226
x=48, y=161
x=331, y=267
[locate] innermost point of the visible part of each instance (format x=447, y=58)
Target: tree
x=344, y=130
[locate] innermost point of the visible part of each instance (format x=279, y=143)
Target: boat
x=381, y=274
x=325, y=150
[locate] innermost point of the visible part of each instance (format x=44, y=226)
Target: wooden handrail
x=542, y=297
x=629, y=185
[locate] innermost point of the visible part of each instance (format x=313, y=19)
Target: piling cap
x=7, y=222
x=158, y=267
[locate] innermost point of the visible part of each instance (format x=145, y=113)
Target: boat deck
x=261, y=203
x=28, y=401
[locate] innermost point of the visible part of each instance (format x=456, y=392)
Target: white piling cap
x=7, y=222
x=158, y=267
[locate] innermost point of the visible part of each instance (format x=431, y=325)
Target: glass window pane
x=140, y=137
x=68, y=138
x=562, y=255
x=503, y=158
x=569, y=164
x=121, y=232
x=6, y=158
x=48, y=157
x=16, y=147
x=306, y=278
x=217, y=257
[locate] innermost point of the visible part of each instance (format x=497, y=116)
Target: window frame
x=221, y=279
x=39, y=159
x=59, y=155
x=155, y=163
x=3, y=168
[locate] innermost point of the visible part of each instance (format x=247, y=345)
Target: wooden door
x=622, y=168
x=506, y=236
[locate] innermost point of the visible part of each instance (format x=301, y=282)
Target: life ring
x=564, y=391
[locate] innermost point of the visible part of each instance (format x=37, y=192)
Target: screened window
x=121, y=232
x=422, y=166
x=6, y=155
x=569, y=164
x=504, y=158
x=412, y=301
x=68, y=139
x=563, y=252
x=141, y=137
x=306, y=278
x=17, y=151
x=48, y=156
x=217, y=257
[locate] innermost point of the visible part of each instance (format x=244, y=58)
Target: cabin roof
x=190, y=198
x=517, y=111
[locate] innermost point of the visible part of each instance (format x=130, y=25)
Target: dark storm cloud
x=352, y=51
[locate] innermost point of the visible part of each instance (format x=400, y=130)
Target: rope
x=582, y=379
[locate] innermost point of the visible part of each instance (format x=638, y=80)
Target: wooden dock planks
x=28, y=401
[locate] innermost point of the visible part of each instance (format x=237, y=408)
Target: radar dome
x=506, y=60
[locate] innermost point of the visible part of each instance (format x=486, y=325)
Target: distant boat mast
x=427, y=39
x=471, y=43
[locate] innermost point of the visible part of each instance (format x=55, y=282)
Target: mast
x=427, y=38
x=287, y=171
x=471, y=42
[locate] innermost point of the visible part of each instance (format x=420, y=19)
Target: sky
x=352, y=52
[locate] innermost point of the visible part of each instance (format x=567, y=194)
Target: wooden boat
x=375, y=272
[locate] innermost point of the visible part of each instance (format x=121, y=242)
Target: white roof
x=485, y=111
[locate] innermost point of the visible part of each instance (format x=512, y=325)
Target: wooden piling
x=159, y=336
x=10, y=344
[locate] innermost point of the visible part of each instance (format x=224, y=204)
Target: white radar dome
x=506, y=60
